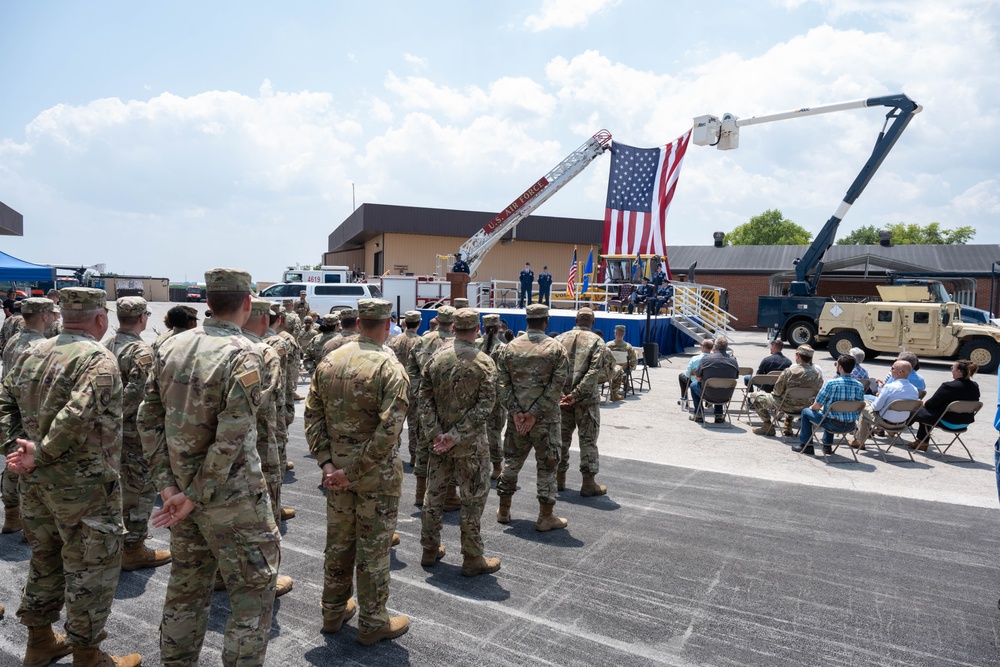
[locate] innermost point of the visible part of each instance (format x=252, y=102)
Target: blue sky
x=167, y=138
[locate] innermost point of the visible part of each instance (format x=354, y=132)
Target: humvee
x=905, y=320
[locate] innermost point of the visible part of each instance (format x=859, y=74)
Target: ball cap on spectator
x=260, y=307
x=227, y=280
x=82, y=298
x=374, y=309
x=466, y=318
x=491, y=320
x=412, y=316
x=131, y=306
x=352, y=313
x=805, y=351
x=537, y=311
x=36, y=305
x=446, y=314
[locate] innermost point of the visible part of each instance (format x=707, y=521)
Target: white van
x=323, y=298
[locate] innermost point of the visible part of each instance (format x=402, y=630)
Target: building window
x=378, y=264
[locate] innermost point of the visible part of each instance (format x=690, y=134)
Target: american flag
x=640, y=189
x=571, y=278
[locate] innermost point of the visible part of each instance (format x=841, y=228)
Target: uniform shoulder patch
x=249, y=379
x=143, y=358
x=104, y=380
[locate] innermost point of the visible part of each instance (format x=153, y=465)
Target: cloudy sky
x=165, y=138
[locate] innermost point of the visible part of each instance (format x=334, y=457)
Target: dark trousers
x=524, y=294
x=544, y=295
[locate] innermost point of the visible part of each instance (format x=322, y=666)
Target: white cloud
x=981, y=198
x=566, y=13
x=417, y=62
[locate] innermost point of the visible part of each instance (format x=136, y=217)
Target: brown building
x=380, y=239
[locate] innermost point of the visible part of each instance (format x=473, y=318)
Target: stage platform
x=670, y=339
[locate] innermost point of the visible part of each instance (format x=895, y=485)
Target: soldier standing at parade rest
x=55, y=328
x=545, y=286
x=63, y=404
x=457, y=393
x=138, y=495
x=327, y=331
x=348, y=332
x=619, y=344
x=402, y=346
x=491, y=344
x=198, y=424
x=580, y=402
x=532, y=369
x=281, y=341
x=38, y=316
x=526, y=278
x=291, y=329
x=354, y=413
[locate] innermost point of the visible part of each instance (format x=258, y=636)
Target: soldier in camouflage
x=618, y=370
x=301, y=307
x=291, y=331
x=354, y=413
x=138, y=494
x=63, y=406
x=38, y=316
x=349, y=329
x=12, y=325
x=800, y=374
x=179, y=319
x=402, y=345
x=198, y=424
x=293, y=323
x=281, y=341
x=492, y=345
x=328, y=325
x=457, y=393
x=55, y=328
x=532, y=369
x=581, y=400
x=309, y=331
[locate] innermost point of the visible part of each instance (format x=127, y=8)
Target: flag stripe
x=571, y=278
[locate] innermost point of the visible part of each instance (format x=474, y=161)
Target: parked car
x=323, y=298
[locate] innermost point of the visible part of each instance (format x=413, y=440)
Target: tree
x=911, y=234
x=768, y=228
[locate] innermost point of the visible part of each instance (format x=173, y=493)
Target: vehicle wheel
x=983, y=352
x=842, y=342
x=800, y=332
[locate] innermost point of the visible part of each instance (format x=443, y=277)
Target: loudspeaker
x=651, y=355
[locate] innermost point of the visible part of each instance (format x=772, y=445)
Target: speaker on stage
x=651, y=355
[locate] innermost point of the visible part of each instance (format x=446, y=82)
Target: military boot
x=432, y=555
x=592, y=488
x=767, y=428
x=546, y=521
x=497, y=469
x=560, y=480
x=288, y=464
x=93, y=656
x=395, y=540
x=503, y=514
x=421, y=490
x=287, y=513
x=1, y=612
x=334, y=625
x=395, y=627
x=452, y=502
x=138, y=556
x=473, y=566
x=786, y=430
x=283, y=585
x=44, y=646
x=11, y=520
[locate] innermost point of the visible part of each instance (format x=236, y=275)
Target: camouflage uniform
x=9, y=481
x=293, y=365
x=138, y=495
x=498, y=415
x=402, y=346
x=198, y=427
x=342, y=338
x=457, y=393
x=284, y=402
x=163, y=337
x=312, y=354
x=309, y=331
x=302, y=308
x=66, y=396
x=10, y=328
x=293, y=323
x=267, y=416
x=585, y=351
x=53, y=329
x=533, y=369
x=354, y=414
x=421, y=353
x=618, y=371
x=796, y=375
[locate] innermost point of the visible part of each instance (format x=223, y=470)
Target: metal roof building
x=11, y=222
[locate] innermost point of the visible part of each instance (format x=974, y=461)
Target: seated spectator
x=841, y=388
x=641, y=296
x=915, y=378
x=959, y=388
x=803, y=373
x=899, y=387
x=775, y=361
x=717, y=364
x=687, y=377
x=663, y=297
x=859, y=372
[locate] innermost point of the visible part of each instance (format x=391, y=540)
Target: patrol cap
x=131, y=306
x=466, y=318
x=82, y=298
x=585, y=312
x=276, y=309
x=460, y=303
x=537, y=311
x=491, y=320
x=374, y=309
x=260, y=307
x=36, y=305
x=619, y=327
x=805, y=351
x=287, y=302
x=307, y=319
x=352, y=313
x=301, y=292
x=446, y=314
x=227, y=280
x=52, y=292
x=412, y=316
x=330, y=319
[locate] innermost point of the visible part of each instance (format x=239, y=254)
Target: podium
x=459, y=285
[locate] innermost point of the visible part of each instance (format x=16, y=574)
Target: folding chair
x=955, y=430
x=684, y=384
x=838, y=429
x=717, y=391
x=757, y=383
x=621, y=359
x=642, y=379
x=895, y=430
x=796, y=395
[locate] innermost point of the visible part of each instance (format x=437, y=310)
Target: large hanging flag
x=587, y=270
x=571, y=278
x=640, y=189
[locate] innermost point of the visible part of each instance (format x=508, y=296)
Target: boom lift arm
x=709, y=131
x=475, y=249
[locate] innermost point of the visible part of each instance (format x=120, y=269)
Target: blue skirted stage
x=669, y=338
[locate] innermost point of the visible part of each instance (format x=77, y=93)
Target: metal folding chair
x=642, y=379
x=956, y=431
x=621, y=359
x=757, y=383
x=894, y=430
x=793, y=394
x=717, y=391
x=828, y=426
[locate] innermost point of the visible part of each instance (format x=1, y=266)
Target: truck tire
x=983, y=352
x=800, y=332
x=842, y=342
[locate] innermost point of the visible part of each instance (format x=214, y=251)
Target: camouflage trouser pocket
x=257, y=546
x=553, y=450
x=101, y=542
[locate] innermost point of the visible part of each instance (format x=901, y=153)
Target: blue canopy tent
x=13, y=269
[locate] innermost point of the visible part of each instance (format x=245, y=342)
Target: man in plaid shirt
x=841, y=388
